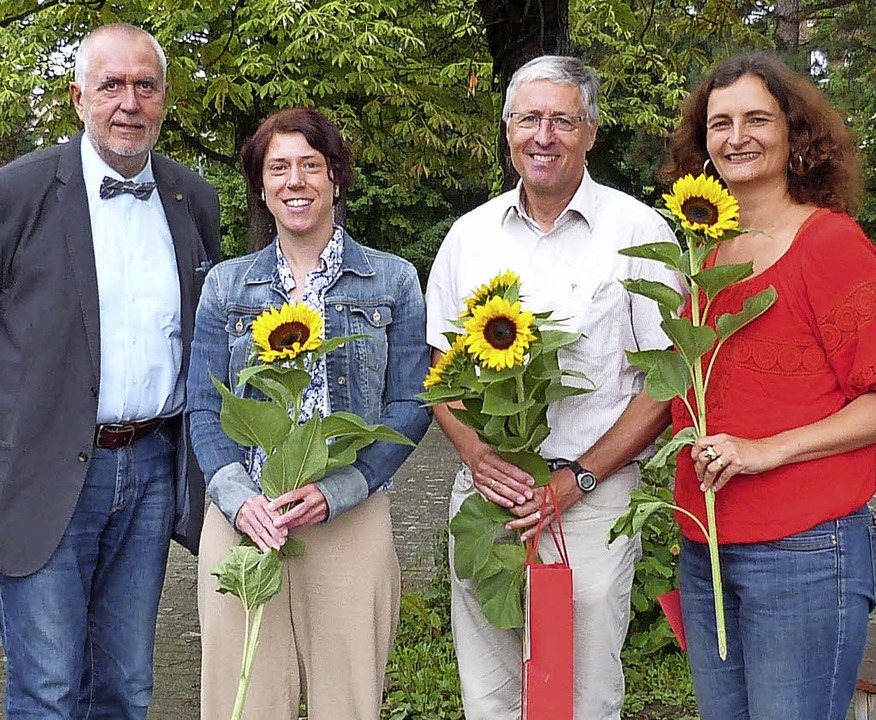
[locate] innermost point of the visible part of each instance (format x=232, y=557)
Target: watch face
x=585, y=479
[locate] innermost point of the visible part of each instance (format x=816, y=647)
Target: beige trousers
x=490, y=659
x=327, y=634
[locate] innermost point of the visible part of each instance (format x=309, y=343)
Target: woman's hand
x=717, y=458
x=256, y=519
x=308, y=507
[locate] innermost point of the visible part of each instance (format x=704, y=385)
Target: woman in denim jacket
x=330, y=629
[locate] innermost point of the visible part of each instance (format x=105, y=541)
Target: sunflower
x=701, y=203
x=497, y=286
x=498, y=333
x=448, y=366
x=285, y=333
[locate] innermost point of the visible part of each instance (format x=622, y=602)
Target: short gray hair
x=80, y=69
x=560, y=69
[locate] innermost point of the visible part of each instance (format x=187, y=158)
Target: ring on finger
x=492, y=482
x=720, y=462
x=710, y=452
x=538, y=514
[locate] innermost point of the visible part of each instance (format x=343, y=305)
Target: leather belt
x=558, y=464
x=113, y=436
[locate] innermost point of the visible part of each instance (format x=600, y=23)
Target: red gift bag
x=549, y=641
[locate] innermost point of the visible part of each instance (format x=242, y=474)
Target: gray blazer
x=50, y=343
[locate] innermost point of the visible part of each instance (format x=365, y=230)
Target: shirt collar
x=330, y=258
x=583, y=203
x=94, y=168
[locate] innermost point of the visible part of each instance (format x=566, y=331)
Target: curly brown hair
x=824, y=167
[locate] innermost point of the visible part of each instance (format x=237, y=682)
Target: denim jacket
x=377, y=377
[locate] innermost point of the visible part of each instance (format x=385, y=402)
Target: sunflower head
x=449, y=366
x=286, y=333
x=498, y=333
x=499, y=285
x=702, y=204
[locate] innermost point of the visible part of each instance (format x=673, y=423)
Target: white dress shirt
x=139, y=296
x=574, y=270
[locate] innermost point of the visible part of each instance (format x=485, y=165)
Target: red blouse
x=810, y=354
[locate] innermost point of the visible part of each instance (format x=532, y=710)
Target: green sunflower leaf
x=667, y=253
x=715, y=279
x=249, y=574
x=663, y=295
x=475, y=528
x=501, y=594
x=752, y=308
x=252, y=422
x=690, y=340
x=301, y=458
x=682, y=438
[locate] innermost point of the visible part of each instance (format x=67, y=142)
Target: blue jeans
x=79, y=632
x=796, y=614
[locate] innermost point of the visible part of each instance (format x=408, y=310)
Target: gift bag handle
x=559, y=542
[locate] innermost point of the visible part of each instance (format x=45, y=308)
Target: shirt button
x=83, y=457
x=342, y=380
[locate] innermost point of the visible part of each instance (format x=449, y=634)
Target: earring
x=706, y=165
x=337, y=192
x=801, y=167
x=263, y=195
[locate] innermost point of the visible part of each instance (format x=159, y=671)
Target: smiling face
x=298, y=190
x=747, y=134
x=121, y=99
x=550, y=163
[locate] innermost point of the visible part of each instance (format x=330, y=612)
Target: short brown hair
x=824, y=167
x=321, y=134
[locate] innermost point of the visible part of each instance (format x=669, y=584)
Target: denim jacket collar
x=264, y=266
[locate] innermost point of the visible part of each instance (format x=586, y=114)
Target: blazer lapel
x=77, y=235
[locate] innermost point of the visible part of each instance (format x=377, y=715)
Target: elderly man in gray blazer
x=104, y=245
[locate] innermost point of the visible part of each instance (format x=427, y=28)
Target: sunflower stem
x=520, y=415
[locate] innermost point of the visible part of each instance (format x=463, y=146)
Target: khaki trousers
x=327, y=633
x=490, y=659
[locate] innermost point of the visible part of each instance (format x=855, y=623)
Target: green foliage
x=659, y=687
x=422, y=675
x=407, y=216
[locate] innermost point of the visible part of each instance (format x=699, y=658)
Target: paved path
x=419, y=510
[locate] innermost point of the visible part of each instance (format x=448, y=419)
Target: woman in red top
x=791, y=403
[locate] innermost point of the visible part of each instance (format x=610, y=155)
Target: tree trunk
x=787, y=14
x=517, y=31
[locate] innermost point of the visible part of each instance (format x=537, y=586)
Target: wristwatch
x=585, y=479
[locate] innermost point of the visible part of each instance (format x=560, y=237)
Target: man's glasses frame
x=559, y=123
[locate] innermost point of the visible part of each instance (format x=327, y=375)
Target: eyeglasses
x=532, y=121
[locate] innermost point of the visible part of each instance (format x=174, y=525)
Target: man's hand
x=498, y=481
x=529, y=514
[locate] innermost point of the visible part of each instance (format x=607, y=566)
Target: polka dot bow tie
x=111, y=187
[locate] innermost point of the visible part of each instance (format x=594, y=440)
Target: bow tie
x=111, y=187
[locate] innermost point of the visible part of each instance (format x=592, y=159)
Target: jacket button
x=339, y=307
x=83, y=457
x=239, y=326
x=376, y=317
x=342, y=380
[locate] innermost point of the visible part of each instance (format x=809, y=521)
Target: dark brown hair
x=823, y=164
x=321, y=134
